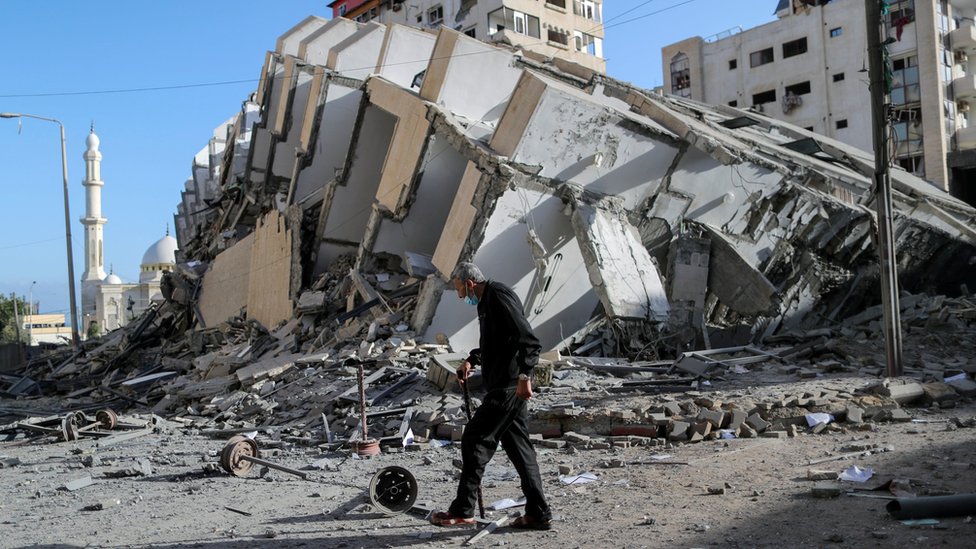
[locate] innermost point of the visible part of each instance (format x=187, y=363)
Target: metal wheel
x=107, y=419
x=69, y=428
x=236, y=448
x=393, y=490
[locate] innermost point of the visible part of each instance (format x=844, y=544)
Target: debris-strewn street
x=704, y=283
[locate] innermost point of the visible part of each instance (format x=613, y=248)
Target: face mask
x=470, y=299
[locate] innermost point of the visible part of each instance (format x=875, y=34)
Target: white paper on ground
x=506, y=503
x=957, y=377
x=659, y=457
x=581, y=478
x=856, y=474
x=408, y=437
x=818, y=418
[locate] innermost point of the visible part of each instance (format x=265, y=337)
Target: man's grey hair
x=468, y=271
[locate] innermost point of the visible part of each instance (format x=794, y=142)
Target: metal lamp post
x=75, y=340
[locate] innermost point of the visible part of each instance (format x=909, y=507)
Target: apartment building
x=566, y=29
x=809, y=67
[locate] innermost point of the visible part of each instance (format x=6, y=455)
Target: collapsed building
x=383, y=155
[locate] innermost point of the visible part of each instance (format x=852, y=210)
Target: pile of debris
x=299, y=382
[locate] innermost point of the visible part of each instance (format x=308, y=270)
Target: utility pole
x=16, y=318
x=880, y=108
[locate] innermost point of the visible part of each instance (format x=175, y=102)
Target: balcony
x=963, y=38
x=966, y=138
x=965, y=87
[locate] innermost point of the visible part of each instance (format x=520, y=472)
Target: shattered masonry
x=405, y=151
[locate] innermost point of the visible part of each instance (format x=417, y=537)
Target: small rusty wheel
x=236, y=448
x=69, y=429
x=79, y=419
x=107, y=418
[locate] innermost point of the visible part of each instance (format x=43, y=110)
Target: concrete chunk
x=757, y=422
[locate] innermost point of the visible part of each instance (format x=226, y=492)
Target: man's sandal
x=445, y=518
x=528, y=522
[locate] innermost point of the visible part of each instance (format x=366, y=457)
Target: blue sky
x=57, y=51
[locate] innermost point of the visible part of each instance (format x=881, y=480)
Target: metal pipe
x=932, y=506
x=273, y=465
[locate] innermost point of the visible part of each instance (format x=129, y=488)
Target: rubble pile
x=297, y=382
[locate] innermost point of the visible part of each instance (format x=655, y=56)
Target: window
x=342, y=10
x=802, y=88
x=904, y=81
x=906, y=131
x=838, y=77
x=796, y=47
x=808, y=128
x=733, y=103
x=508, y=19
x=558, y=37
x=435, y=15
x=733, y=63
x=761, y=57
x=471, y=32
x=764, y=97
x=837, y=31
x=900, y=12
x=913, y=164
x=588, y=9
x=557, y=3
x=681, y=75
x=841, y=124
x=588, y=43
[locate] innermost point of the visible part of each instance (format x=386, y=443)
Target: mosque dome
x=162, y=252
x=112, y=278
x=92, y=141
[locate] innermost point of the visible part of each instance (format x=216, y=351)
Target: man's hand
x=464, y=372
x=523, y=389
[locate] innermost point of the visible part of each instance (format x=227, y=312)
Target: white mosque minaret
x=93, y=222
x=106, y=300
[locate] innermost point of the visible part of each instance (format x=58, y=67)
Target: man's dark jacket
x=507, y=346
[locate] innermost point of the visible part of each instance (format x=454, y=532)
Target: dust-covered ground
x=636, y=501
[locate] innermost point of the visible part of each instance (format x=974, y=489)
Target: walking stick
x=467, y=411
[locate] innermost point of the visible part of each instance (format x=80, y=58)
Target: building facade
x=809, y=67
x=566, y=29
x=46, y=328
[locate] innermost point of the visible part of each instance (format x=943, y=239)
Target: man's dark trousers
x=500, y=418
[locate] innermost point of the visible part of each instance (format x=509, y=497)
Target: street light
x=75, y=340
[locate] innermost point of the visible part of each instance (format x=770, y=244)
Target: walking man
x=507, y=354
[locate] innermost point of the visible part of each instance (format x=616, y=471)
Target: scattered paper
x=920, y=522
x=660, y=457
x=740, y=369
x=581, y=478
x=437, y=443
x=818, y=418
x=726, y=433
x=506, y=503
x=408, y=438
x=856, y=474
x=250, y=434
x=957, y=377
